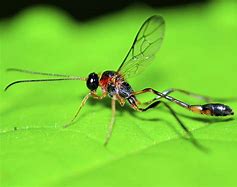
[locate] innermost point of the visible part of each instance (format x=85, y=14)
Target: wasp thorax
x=93, y=81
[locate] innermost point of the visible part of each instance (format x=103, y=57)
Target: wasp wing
x=147, y=42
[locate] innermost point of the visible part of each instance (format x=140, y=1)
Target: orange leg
x=111, y=124
x=94, y=95
x=120, y=100
x=82, y=104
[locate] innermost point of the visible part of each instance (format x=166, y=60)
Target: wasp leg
x=120, y=100
x=198, y=96
x=214, y=109
x=82, y=104
x=113, y=106
x=95, y=96
x=111, y=124
x=173, y=113
x=134, y=104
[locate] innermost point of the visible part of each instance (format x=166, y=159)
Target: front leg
x=81, y=105
x=96, y=96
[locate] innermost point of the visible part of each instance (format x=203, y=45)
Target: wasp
x=114, y=84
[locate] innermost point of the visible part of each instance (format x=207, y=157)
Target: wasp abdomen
x=213, y=109
x=218, y=109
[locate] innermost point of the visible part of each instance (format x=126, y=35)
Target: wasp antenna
x=40, y=73
x=40, y=80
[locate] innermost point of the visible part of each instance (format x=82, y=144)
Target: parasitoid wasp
x=114, y=83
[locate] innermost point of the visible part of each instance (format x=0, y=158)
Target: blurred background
x=85, y=10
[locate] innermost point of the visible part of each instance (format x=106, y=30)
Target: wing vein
x=146, y=44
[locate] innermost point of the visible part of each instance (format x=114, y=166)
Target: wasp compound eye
x=92, y=82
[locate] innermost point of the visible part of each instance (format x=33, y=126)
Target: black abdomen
x=217, y=109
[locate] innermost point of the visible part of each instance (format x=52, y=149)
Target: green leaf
x=146, y=149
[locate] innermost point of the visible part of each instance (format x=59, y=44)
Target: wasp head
x=92, y=81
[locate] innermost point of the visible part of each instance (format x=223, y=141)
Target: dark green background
x=146, y=149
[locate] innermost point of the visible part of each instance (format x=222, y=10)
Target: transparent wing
x=147, y=42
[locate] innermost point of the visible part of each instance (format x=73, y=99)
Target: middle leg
x=111, y=124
